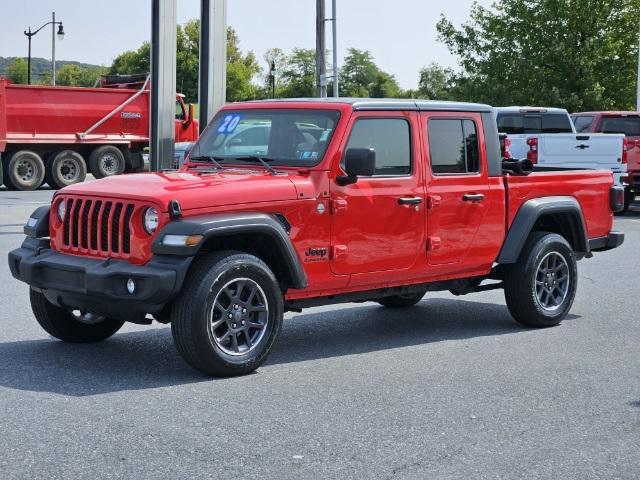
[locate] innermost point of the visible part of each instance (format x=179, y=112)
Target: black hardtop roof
x=392, y=104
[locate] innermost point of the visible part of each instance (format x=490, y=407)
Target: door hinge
x=338, y=205
x=339, y=251
x=433, y=243
x=433, y=201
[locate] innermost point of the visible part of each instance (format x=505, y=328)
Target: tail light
x=505, y=143
x=617, y=199
x=532, y=154
x=626, y=146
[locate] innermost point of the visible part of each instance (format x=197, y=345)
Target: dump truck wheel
x=23, y=170
x=65, y=168
x=106, y=161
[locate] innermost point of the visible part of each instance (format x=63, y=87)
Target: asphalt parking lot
x=450, y=389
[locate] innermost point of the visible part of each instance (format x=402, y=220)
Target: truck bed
x=589, y=187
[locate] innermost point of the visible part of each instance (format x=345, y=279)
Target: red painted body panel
x=633, y=154
x=590, y=188
x=38, y=114
x=374, y=241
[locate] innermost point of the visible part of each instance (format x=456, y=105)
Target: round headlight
x=150, y=220
x=62, y=209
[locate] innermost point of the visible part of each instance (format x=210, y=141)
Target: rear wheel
x=106, y=161
x=65, y=168
x=229, y=315
x=64, y=324
x=23, y=170
x=402, y=301
x=540, y=287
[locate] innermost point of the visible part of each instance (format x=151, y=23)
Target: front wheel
x=229, y=315
x=64, y=325
x=541, y=286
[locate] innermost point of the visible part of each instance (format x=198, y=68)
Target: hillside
x=40, y=65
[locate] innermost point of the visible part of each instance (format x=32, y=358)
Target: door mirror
x=358, y=162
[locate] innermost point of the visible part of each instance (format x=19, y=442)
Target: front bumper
x=611, y=241
x=98, y=286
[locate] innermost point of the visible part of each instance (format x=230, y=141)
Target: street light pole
x=60, y=33
x=53, y=49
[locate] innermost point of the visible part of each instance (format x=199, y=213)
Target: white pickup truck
x=548, y=138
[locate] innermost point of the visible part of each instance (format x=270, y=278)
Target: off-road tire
x=65, y=168
x=23, y=170
x=62, y=324
x=401, y=301
x=194, y=313
x=106, y=161
x=520, y=287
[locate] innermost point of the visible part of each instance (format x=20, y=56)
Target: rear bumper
x=98, y=286
x=602, y=244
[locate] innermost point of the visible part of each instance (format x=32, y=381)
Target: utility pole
x=336, y=93
x=321, y=66
x=638, y=91
x=213, y=59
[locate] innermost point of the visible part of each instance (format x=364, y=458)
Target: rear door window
x=630, y=126
x=453, y=146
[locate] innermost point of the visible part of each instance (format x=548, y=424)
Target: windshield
x=280, y=136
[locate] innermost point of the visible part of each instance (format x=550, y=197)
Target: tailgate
x=596, y=151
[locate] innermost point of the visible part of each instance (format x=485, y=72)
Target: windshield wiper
x=211, y=158
x=256, y=158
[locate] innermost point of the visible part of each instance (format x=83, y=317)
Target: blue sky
x=401, y=34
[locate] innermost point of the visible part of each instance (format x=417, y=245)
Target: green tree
x=435, y=82
x=17, y=71
x=241, y=68
x=361, y=77
x=299, y=74
x=278, y=58
x=579, y=54
x=77, y=76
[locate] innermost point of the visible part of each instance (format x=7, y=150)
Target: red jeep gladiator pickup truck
x=283, y=205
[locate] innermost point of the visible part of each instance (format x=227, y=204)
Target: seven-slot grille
x=98, y=226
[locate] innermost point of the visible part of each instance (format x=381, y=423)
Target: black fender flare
x=528, y=215
x=229, y=224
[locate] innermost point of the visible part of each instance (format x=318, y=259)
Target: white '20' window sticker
x=229, y=123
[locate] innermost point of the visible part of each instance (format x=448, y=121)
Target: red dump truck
x=55, y=134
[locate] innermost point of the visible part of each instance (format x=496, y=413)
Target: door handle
x=409, y=200
x=473, y=197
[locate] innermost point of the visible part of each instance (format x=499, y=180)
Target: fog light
x=131, y=286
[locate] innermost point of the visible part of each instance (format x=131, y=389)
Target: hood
x=192, y=190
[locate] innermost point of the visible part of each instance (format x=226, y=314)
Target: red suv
x=283, y=205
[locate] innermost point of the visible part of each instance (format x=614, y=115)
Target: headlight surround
x=62, y=210
x=150, y=220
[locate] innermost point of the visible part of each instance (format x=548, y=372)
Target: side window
x=391, y=140
x=453, y=146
